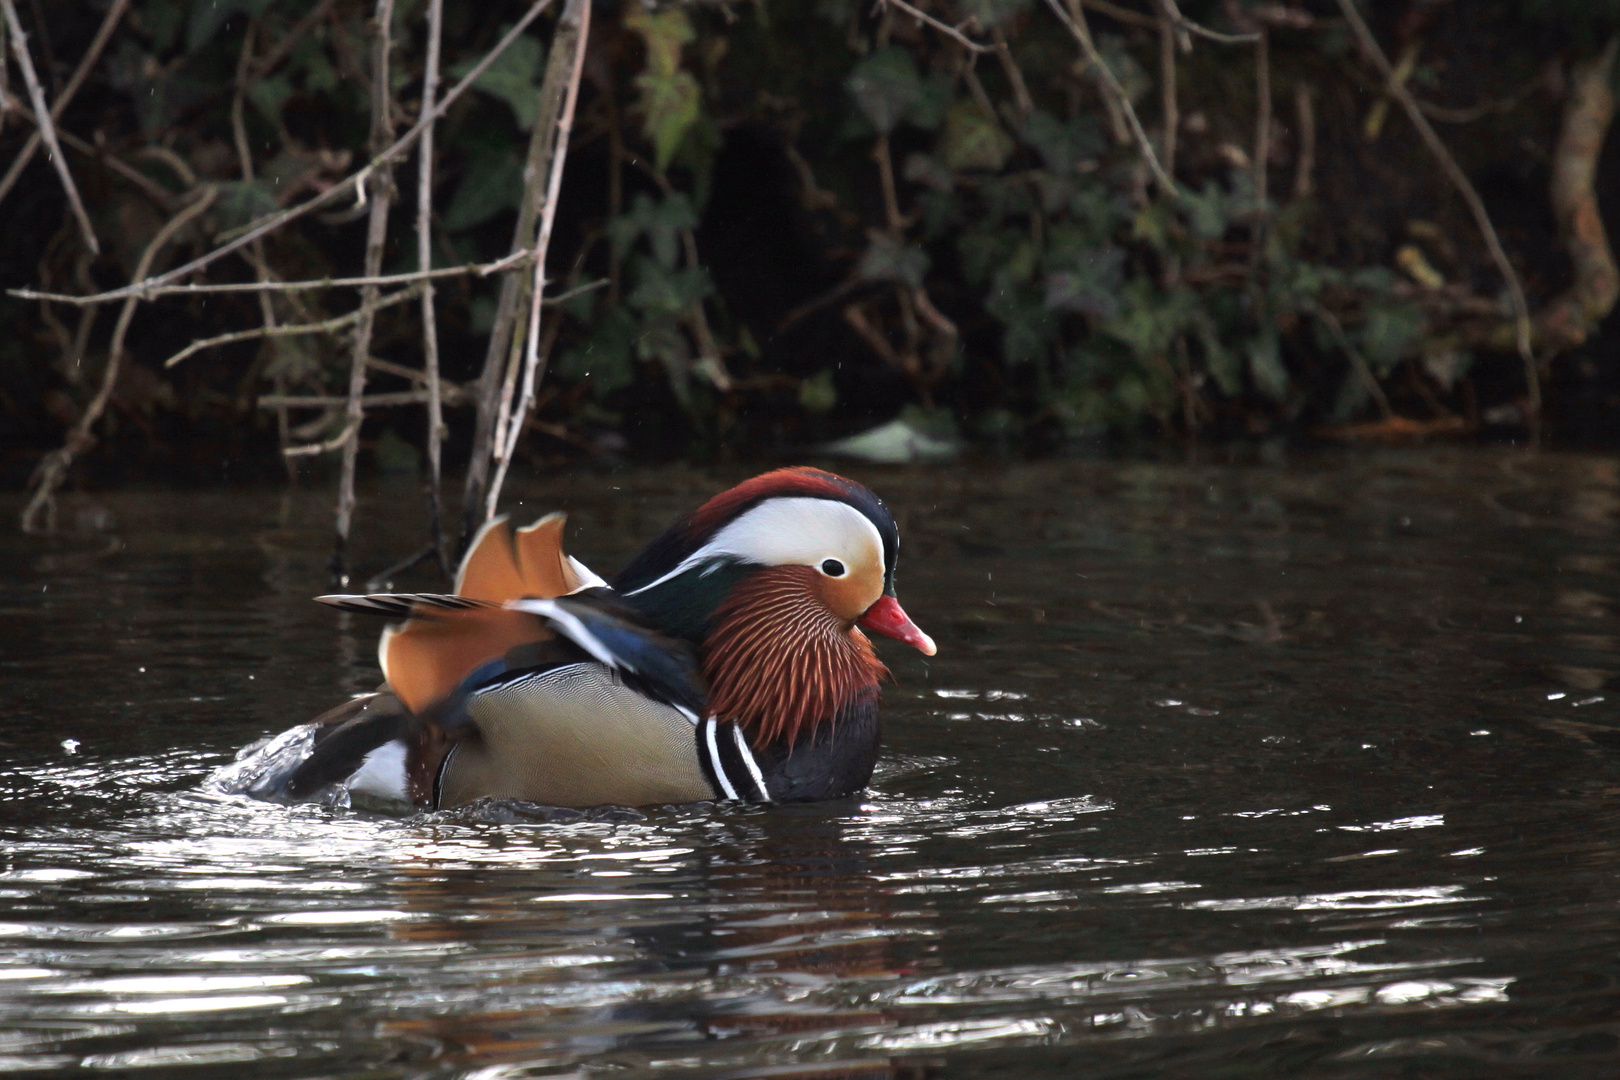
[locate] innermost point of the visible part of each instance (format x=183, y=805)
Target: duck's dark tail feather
x=328, y=752
x=344, y=737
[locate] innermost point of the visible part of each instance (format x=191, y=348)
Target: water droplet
x=70, y=745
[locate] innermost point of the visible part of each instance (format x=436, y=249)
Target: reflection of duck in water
x=752, y=945
x=724, y=662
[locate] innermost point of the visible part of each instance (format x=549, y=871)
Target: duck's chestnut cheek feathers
x=887, y=617
x=849, y=597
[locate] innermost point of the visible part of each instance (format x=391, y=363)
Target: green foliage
x=671, y=99
x=514, y=78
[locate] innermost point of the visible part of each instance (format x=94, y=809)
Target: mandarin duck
x=725, y=662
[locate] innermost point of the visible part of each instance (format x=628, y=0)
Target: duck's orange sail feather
x=426, y=658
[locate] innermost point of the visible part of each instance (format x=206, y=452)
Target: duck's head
x=821, y=541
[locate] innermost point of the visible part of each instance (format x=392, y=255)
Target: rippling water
x=1302, y=771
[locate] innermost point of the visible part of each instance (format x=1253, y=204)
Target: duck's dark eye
x=832, y=568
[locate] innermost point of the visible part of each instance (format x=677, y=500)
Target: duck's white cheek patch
x=798, y=531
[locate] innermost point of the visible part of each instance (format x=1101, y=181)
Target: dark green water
x=1304, y=771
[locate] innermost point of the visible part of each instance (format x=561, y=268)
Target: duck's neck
x=779, y=663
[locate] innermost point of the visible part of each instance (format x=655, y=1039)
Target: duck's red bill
x=887, y=617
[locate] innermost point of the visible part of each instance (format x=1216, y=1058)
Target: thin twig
x=1262, y=140
x=1167, y=83
x=47, y=125
x=1015, y=76
x=381, y=190
x=325, y=326
x=1521, y=307
x=1305, y=159
x=109, y=23
x=503, y=353
x=575, y=21
x=424, y=254
x=53, y=469
x=270, y=223
x=1119, y=14
x=283, y=48
x=1075, y=19
x=517, y=258
x=338, y=441
x=1205, y=32
x=1358, y=363
x=945, y=28
x=387, y=400
x=261, y=270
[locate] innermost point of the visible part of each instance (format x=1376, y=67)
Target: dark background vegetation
x=1023, y=286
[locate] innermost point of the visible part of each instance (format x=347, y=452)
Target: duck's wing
x=620, y=721
x=446, y=638
x=360, y=745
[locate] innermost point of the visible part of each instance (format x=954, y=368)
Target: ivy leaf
x=1206, y=211
x=494, y=182
x=971, y=139
x=1030, y=327
x=933, y=98
x=661, y=222
x=817, y=393
x=241, y=201
x=1063, y=146
x=889, y=259
x=669, y=105
x=665, y=34
x=886, y=87
x=269, y=95
x=605, y=356
x=514, y=77
x=1089, y=283
x=1388, y=332
x=663, y=292
x=207, y=16
x=992, y=12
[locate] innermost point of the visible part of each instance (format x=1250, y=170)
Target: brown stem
x=891, y=199
x=424, y=253
x=381, y=189
x=1015, y=77
x=1167, y=84
x=573, y=31
x=270, y=223
x=53, y=469
x=1521, y=308
x=1569, y=318
x=1358, y=363
x=1075, y=19
x=1262, y=140
x=1305, y=161
x=109, y=23
x=47, y=123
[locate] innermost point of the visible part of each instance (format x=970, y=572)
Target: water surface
x=1293, y=771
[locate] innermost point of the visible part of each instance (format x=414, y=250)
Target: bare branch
x=424, y=253
x=47, y=126
x=53, y=469
x=380, y=186
x=517, y=258
x=1075, y=19
x=341, y=439
x=945, y=28
x=367, y=401
x=575, y=23
x=1459, y=179
x=272, y=222
x=271, y=330
x=109, y=23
